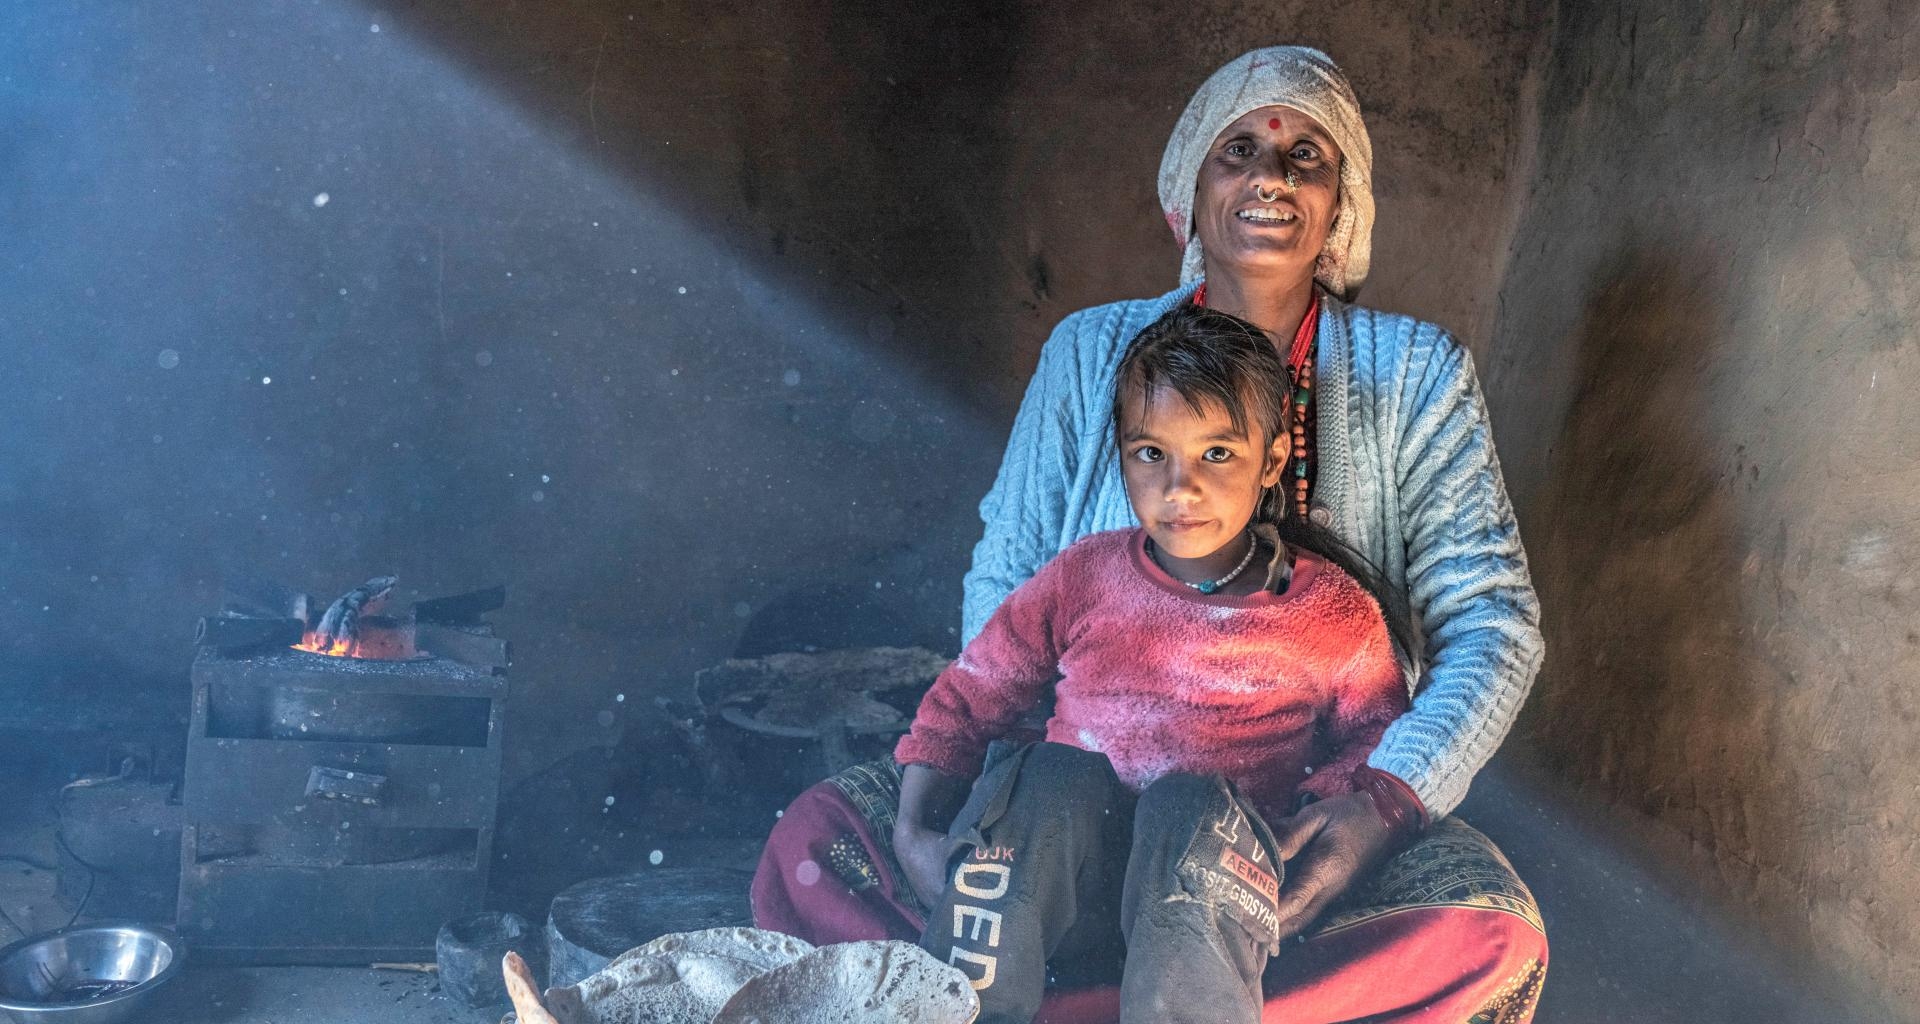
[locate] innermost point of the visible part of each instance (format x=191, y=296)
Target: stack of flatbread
x=749, y=976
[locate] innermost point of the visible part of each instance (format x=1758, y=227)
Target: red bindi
x=1273, y=123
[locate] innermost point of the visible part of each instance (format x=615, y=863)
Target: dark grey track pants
x=1066, y=876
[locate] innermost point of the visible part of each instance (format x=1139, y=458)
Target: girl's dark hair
x=1208, y=357
x=1305, y=534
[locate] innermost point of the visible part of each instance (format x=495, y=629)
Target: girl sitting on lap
x=1211, y=670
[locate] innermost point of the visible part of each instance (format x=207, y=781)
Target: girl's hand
x=1328, y=847
x=928, y=802
x=924, y=854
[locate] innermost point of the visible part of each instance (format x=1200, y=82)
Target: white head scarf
x=1284, y=76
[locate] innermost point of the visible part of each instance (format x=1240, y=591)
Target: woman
x=1266, y=184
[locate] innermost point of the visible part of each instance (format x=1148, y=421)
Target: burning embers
x=261, y=615
x=354, y=626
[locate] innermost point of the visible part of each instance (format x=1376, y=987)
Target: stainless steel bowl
x=48, y=978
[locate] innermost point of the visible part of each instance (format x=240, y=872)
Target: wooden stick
x=231, y=631
x=339, y=622
x=416, y=967
x=461, y=608
x=261, y=597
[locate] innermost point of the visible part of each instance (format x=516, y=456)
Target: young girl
x=1207, y=675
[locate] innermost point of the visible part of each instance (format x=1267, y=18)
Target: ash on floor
x=309, y=995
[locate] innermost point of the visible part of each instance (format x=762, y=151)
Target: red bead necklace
x=1300, y=357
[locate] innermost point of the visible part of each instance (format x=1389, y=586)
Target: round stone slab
x=599, y=919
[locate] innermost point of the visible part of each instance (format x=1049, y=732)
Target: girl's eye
x=1216, y=454
x=1147, y=453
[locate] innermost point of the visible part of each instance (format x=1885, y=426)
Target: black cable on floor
x=85, y=895
x=92, y=873
x=40, y=865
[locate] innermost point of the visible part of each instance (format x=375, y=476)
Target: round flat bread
x=688, y=988
x=856, y=983
x=768, y=949
x=684, y=976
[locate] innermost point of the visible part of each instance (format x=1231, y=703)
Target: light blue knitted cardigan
x=1406, y=475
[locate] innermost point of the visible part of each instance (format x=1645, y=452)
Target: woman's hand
x=1328, y=848
x=924, y=854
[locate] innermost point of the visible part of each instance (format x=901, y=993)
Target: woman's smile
x=1265, y=216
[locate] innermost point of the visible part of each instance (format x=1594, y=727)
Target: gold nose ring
x=1261, y=193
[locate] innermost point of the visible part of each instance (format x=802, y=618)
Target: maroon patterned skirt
x=1446, y=932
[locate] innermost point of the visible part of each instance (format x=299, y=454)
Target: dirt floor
x=1626, y=946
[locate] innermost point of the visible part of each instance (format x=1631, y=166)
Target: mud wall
x=1703, y=378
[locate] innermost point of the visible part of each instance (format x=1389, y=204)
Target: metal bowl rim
x=166, y=936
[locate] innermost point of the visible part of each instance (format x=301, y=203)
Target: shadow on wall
x=1642, y=582
x=1656, y=692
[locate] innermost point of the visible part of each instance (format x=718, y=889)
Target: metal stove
x=339, y=809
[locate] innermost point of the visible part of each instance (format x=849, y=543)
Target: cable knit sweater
x=1406, y=475
x=1281, y=693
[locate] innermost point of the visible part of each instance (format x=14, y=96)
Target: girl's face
x=1194, y=481
x=1239, y=231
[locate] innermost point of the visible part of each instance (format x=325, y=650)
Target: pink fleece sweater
x=1280, y=693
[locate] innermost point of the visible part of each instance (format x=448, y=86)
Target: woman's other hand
x=1329, y=847
x=924, y=855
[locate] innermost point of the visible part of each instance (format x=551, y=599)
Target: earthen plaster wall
x=1703, y=377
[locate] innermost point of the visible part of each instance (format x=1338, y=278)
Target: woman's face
x=1238, y=230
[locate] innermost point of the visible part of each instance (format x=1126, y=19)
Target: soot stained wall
x=1703, y=374
x=475, y=361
